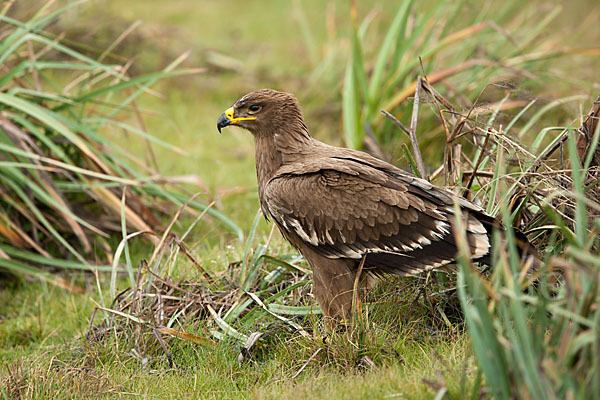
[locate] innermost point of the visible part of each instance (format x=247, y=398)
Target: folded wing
x=343, y=207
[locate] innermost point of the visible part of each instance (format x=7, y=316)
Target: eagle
x=344, y=209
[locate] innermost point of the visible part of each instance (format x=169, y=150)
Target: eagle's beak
x=222, y=122
x=227, y=119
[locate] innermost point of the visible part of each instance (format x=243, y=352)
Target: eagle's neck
x=277, y=148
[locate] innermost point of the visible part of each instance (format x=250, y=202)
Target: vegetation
x=535, y=332
x=183, y=303
x=62, y=181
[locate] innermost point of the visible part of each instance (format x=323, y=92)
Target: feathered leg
x=334, y=284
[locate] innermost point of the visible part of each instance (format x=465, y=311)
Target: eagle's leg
x=334, y=285
x=334, y=288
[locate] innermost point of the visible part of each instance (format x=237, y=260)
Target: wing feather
x=344, y=209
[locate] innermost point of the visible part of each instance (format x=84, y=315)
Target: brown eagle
x=336, y=205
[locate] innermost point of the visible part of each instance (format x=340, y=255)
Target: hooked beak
x=223, y=121
x=227, y=119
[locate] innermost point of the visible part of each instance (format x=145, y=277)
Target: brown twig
x=356, y=306
x=193, y=260
x=434, y=100
x=476, y=167
x=413, y=129
x=588, y=130
x=307, y=362
x=544, y=156
x=396, y=122
x=485, y=174
x=33, y=69
x=447, y=149
x=164, y=347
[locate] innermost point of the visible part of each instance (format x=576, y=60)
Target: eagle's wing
x=344, y=207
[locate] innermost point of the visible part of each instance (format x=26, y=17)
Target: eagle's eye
x=254, y=108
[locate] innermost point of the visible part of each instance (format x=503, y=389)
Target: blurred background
x=304, y=47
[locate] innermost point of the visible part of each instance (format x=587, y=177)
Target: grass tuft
x=62, y=181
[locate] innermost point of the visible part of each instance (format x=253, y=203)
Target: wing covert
x=343, y=214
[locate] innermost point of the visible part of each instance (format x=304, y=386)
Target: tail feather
x=524, y=247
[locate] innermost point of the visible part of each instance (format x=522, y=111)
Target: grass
x=209, y=370
x=61, y=179
x=217, y=374
x=419, y=349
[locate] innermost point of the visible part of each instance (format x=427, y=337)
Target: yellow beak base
x=227, y=119
x=232, y=121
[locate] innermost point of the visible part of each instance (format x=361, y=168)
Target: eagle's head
x=263, y=111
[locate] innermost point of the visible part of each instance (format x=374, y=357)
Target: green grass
x=33, y=316
x=45, y=359
x=43, y=350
